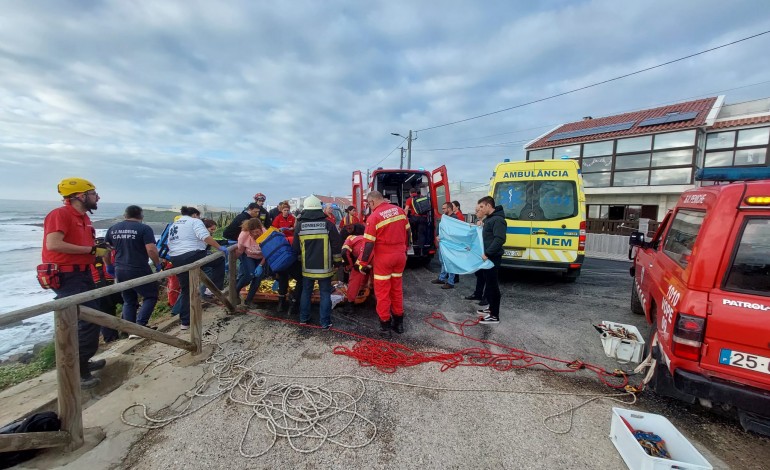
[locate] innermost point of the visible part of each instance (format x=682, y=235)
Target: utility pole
x=401, y=164
x=409, y=152
x=366, y=183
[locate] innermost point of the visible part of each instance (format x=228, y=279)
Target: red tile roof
x=342, y=202
x=702, y=107
x=741, y=122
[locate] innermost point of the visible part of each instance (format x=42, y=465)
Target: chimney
x=587, y=118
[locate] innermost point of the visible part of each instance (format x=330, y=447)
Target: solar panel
x=592, y=131
x=678, y=117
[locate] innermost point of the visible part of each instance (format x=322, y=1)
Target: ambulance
x=394, y=184
x=703, y=283
x=544, y=206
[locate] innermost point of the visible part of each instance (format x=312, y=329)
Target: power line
x=595, y=84
x=389, y=154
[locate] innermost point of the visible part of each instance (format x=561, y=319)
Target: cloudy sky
x=171, y=102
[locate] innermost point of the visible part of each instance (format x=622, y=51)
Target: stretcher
x=268, y=291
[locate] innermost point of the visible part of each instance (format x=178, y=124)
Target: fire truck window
x=537, y=200
x=681, y=237
x=750, y=270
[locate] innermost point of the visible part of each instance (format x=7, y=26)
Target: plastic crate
x=683, y=455
x=624, y=350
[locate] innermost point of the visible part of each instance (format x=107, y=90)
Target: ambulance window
x=681, y=237
x=537, y=200
x=750, y=269
x=512, y=196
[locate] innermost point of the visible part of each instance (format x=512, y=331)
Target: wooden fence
x=66, y=315
x=618, y=227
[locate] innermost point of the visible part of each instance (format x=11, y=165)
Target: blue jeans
x=246, y=271
x=325, y=287
x=449, y=278
x=149, y=293
x=217, y=276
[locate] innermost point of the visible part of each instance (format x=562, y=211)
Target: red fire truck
x=703, y=282
x=394, y=184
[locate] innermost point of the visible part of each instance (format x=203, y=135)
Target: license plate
x=744, y=360
x=410, y=251
x=513, y=253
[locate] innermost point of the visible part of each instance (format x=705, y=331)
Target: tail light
x=688, y=336
x=582, y=238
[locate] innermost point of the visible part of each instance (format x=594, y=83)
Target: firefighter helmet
x=312, y=203
x=259, y=196
x=70, y=186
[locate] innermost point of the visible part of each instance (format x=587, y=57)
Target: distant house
x=341, y=202
x=635, y=165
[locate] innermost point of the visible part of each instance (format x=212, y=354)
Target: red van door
x=439, y=190
x=358, y=192
x=738, y=326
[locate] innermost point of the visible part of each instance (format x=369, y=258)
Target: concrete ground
x=498, y=421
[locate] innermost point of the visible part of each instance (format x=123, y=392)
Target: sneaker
x=327, y=326
x=96, y=365
x=472, y=297
x=448, y=286
x=184, y=327
x=483, y=311
x=89, y=382
x=483, y=303
x=490, y=320
x=437, y=281
x=134, y=337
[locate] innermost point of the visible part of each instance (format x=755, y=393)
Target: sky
x=209, y=102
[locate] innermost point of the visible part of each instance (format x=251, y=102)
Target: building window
x=675, y=139
x=746, y=147
x=621, y=212
x=572, y=151
x=596, y=180
x=671, y=176
x=672, y=158
x=596, y=164
x=634, y=144
x=634, y=160
x=542, y=154
x=597, y=149
x=631, y=178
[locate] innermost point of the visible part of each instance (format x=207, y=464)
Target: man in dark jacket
x=317, y=241
x=232, y=231
x=493, y=234
x=262, y=213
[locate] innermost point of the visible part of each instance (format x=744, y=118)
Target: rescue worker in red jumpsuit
x=387, y=239
x=352, y=250
x=418, y=222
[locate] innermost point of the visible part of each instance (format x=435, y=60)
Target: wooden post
x=232, y=279
x=33, y=440
x=68, y=375
x=103, y=319
x=196, y=311
x=218, y=293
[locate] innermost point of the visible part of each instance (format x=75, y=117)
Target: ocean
x=21, y=239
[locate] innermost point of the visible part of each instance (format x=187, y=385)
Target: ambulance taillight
x=582, y=238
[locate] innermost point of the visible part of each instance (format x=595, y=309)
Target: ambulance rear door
x=358, y=192
x=439, y=190
x=512, y=195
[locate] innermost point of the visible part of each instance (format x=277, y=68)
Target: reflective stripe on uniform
x=390, y=221
x=378, y=277
x=397, y=274
x=370, y=237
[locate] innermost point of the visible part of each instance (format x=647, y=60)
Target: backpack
x=277, y=250
x=421, y=204
x=38, y=422
x=162, y=243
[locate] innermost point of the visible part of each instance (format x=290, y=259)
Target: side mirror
x=636, y=239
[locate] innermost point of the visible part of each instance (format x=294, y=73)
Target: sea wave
x=6, y=247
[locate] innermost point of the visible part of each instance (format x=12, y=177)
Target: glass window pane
x=719, y=159
x=671, y=176
x=751, y=268
x=593, y=211
x=597, y=148
x=750, y=137
x=633, y=212
x=681, y=237
x=675, y=139
x=592, y=165
x=572, y=151
x=672, y=158
x=750, y=157
x=542, y=154
x=636, y=160
x=537, y=200
x=596, y=180
x=720, y=140
x=634, y=144
x=631, y=178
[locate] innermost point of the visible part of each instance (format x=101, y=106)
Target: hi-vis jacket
x=352, y=249
x=318, y=244
x=387, y=228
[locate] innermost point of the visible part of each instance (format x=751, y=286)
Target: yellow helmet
x=69, y=186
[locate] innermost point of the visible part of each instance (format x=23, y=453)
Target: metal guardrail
x=67, y=311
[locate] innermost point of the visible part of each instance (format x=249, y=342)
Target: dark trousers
x=419, y=225
x=492, y=288
x=149, y=292
x=480, y=281
x=88, y=333
x=217, y=276
x=294, y=272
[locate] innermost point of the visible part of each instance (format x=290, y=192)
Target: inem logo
x=536, y=174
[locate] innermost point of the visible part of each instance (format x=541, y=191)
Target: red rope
x=387, y=356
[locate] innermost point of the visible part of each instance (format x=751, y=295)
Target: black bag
x=421, y=204
x=38, y=422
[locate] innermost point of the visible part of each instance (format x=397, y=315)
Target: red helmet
x=259, y=196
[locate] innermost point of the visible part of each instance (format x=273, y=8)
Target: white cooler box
x=624, y=350
x=683, y=455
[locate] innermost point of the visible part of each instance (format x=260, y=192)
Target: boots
x=385, y=329
x=397, y=323
x=282, y=304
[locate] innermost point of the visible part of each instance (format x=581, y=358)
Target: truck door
x=358, y=192
x=738, y=325
x=643, y=264
x=439, y=190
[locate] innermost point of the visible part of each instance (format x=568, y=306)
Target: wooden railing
x=66, y=315
x=618, y=227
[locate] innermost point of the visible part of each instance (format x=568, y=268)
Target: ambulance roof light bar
x=732, y=174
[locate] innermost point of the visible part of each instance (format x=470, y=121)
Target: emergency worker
x=457, y=213
x=319, y=245
x=285, y=221
x=69, y=250
x=387, y=240
x=418, y=222
x=352, y=250
x=350, y=218
x=262, y=213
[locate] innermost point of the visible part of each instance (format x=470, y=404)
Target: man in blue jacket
x=493, y=234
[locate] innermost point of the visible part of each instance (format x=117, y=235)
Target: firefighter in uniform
x=418, y=222
x=387, y=240
x=352, y=250
x=69, y=250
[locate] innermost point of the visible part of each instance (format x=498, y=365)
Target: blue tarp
x=461, y=246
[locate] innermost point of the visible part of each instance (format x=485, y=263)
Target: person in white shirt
x=187, y=240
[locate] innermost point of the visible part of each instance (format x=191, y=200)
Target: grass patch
x=13, y=374
x=161, y=312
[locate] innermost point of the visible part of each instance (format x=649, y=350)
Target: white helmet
x=312, y=203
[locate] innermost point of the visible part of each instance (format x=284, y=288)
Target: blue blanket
x=461, y=246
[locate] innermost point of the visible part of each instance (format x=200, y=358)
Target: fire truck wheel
x=636, y=304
